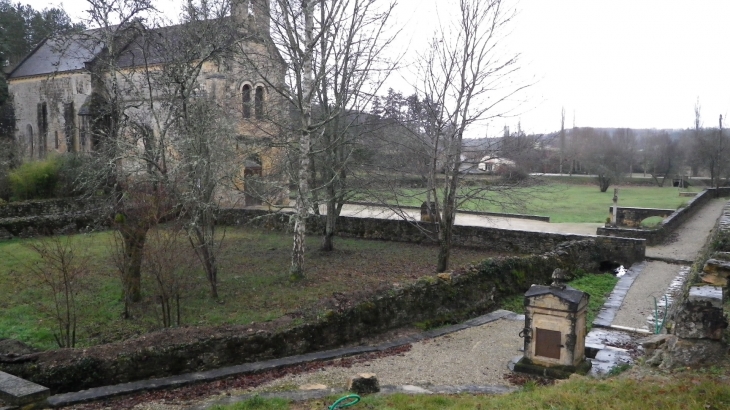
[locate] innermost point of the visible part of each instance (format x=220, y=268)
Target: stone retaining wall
x=28, y=227
x=670, y=223
x=432, y=300
x=698, y=335
x=632, y=217
x=26, y=209
x=47, y=217
x=625, y=251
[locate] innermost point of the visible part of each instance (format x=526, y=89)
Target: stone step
x=19, y=392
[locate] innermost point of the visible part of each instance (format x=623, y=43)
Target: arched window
x=259, y=103
x=246, y=101
x=29, y=135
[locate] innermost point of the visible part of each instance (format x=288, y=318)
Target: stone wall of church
x=62, y=95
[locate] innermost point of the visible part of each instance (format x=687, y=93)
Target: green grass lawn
x=687, y=390
x=586, y=203
x=560, y=201
x=599, y=286
x=253, y=283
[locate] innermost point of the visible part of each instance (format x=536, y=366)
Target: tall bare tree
x=191, y=121
x=466, y=78
x=711, y=148
x=662, y=156
x=352, y=68
x=163, y=144
x=331, y=48
x=604, y=156
x=117, y=22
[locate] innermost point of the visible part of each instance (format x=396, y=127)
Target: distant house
x=495, y=164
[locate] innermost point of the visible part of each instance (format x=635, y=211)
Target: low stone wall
x=624, y=251
x=670, y=223
x=47, y=217
x=44, y=225
x=431, y=300
x=632, y=217
x=26, y=209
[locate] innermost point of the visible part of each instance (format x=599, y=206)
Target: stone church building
x=55, y=87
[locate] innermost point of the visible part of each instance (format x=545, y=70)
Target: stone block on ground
x=313, y=386
x=716, y=271
x=714, y=279
x=701, y=316
x=692, y=352
x=653, y=341
x=364, y=383
x=712, y=296
x=444, y=276
x=20, y=392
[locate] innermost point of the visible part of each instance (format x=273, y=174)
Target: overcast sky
x=610, y=63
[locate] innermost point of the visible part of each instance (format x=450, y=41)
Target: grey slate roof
x=72, y=53
x=59, y=54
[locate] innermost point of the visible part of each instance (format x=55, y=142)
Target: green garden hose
x=340, y=405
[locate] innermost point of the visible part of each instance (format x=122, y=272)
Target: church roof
x=139, y=46
x=70, y=53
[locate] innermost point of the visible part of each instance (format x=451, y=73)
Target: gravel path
x=656, y=277
x=638, y=303
x=478, y=220
x=691, y=235
x=475, y=356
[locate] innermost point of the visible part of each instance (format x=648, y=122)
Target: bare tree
x=156, y=126
x=662, y=156
x=602, y=155
x=143, y=207
x=61, y=271
x=168, y=264
x=190, y=121
x=106, y=122
x=466, y=78
x=711, y=148
x=331, y=49
x=352, y=68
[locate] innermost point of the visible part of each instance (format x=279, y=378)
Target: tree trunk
x=330, y=225
x=296, y=271
x=448, y=211
x=134, y=240
x=603, y=182
x=445, y=235
x=207, y=258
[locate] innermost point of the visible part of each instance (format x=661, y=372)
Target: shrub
x=652, y=222
x=5, y=191
x=34, y=180
x=9, y=154
x=69, y=168
x=512, y=174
